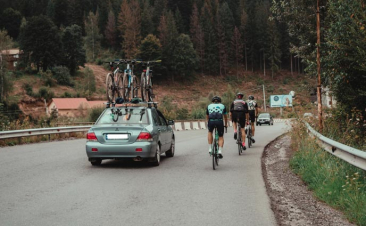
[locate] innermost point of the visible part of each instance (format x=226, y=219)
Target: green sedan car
x=136, y=132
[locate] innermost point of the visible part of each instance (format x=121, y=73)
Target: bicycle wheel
x=110, y=87
x=238, y=141
x=144, y=96
x=249, y=135
x=150, y=91
x=126, y=89
x=120, y=85
x=135, y=87
x=217, y=155
x=214, y=155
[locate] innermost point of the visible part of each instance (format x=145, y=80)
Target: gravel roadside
x=291, y=201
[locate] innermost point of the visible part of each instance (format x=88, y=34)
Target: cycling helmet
x=216, y=99
x=239, y=94
x=251, y=97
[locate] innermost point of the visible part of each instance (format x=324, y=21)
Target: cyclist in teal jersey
x=216, y=114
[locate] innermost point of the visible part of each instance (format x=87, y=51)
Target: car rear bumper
x=137, y=149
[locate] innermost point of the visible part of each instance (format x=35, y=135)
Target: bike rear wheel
x=110, y=88
x=214, y=155
x=144, y=95
x=120, y=85
x=135, y=87
x=126, y=88
x=249, y=135
x=150, y=90
x=238, y=141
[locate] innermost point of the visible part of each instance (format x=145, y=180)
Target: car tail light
x=94, y=149
x=144, y=136
x=139, y=149
x=91, y=137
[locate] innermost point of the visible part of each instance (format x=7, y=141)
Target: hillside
x=185, y=94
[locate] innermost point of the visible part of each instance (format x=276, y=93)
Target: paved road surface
x=54, y=184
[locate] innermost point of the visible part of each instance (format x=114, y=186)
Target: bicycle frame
x=215, y=147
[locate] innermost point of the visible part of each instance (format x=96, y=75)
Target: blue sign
x=281, y=101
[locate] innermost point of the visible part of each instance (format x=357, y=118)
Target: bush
x=45, y=93
x=62, y=75
x=182, y=114
x=28, y=89
x=67, y=95
x=198, y=113
x=94, y=114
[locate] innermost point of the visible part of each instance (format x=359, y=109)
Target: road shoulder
x=291, y=201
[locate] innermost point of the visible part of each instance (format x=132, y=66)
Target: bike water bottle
x=216, y=136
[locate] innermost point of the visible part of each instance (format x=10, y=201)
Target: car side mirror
x=170, y=122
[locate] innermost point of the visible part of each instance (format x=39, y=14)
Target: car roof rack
x=129, y=104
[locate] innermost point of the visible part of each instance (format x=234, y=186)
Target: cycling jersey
x=215, y=111
x=239, y=105
x=252, y=105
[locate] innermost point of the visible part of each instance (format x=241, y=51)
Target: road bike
x=238, y=138
x=146, y=83
x=114, y=81
x=130, y=86
x=215, y=149
x=248, y=131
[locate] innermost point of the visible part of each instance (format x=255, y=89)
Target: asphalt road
x=54, y=184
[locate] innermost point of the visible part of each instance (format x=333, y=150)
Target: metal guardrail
x=351, y=155
x=42, y=131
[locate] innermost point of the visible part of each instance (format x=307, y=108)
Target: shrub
x=67, y=95
x=94, y=113
x=182, y=114
x=198, y=113
x=45, y=93
x=28, y=89
x=62, y=75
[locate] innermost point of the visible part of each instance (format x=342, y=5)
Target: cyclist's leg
x=234, y=117
x=220, y=130
x=209, y=136
x=252, y=120
x=242, y=125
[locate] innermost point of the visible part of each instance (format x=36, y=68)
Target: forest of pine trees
x=203, y=36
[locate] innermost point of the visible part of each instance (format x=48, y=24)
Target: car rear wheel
x=96, y=162
x=156, y=160
x=170, y=152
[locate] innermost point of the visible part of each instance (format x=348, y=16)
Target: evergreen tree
x=129, y=21
x=179, y=21
x=274, y=52
x=211, y=63
x=197, y=35
x=184, y=57
x=6, y=42
x=110, y=31
x=227, y=23
x=238, y=48
x=74, y=53
x=40, y=39
x=93, y=37
x=61, y=11
x=150, y=48
x=10, y=20
x=147, y=25
x=51, y=7
x=76, y=13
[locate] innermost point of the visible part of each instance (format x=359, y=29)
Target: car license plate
x=117, y=136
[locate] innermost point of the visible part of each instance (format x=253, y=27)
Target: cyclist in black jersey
x=239, y=114
x=253, y=113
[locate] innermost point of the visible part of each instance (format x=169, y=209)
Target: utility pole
x=264, y=99
x=319, y=87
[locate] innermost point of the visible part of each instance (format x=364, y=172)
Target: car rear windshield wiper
x=142, y=112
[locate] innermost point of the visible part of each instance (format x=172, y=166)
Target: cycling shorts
x=219, y=124
x=252, y=116
x=235, y=115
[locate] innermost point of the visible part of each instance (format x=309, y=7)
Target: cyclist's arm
x=225, y=118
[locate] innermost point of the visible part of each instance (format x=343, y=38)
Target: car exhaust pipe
x=137, y=159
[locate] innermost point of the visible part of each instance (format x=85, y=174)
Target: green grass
x=332, y=180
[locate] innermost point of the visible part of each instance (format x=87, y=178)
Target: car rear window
x=263, y=116
x=123, y=116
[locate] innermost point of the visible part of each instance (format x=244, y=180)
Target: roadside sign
x=281, y=101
